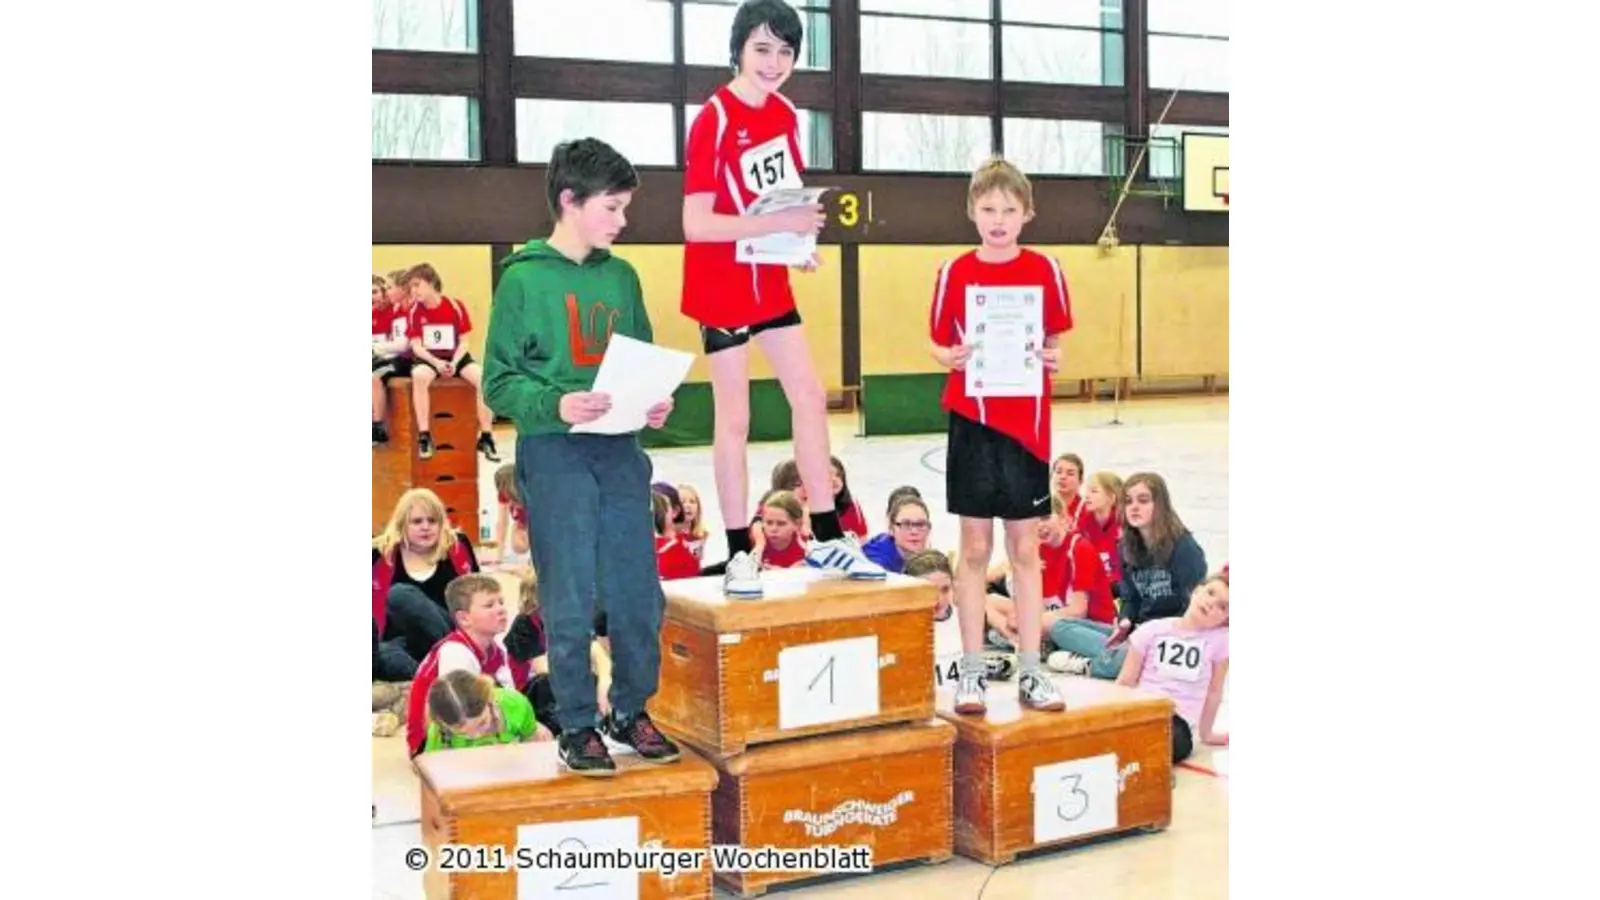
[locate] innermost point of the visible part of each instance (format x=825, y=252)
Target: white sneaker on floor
x=1069, y=663
x=844, y=555
x=743, y=577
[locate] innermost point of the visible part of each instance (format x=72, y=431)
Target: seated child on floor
x=511, y=524
x=692, y=528
x=674, y=559
x=782, y=545
x=467, y=710
x=530, y=661
x=1186, y=660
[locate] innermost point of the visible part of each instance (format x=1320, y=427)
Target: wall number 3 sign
x=833, y=681
x=1076, y=798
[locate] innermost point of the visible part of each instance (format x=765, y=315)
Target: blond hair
x=394, y=533
x=697, y=529
x=459, y=592
x=998, y=174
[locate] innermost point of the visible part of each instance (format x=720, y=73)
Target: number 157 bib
x=768, y=166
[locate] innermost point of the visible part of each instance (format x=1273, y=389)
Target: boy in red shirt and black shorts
x=745, y=143
x=391, y=352
x=997, y=462
x=438, y=329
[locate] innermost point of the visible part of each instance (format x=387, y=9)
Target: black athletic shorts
x=466, y=360
x=714, y=339
x=394, y=367
x=988, y=475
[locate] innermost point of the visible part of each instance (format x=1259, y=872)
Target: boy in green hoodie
x=587, y=495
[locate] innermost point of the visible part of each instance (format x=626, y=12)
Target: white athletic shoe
x=845, y=555
x=1037, y=691
x=1069, y=663
x=742, y=578
x=970, y=690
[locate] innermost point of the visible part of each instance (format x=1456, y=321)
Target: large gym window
x=707, y=23
x=914, y=42
x=625, y=30
x=916, y=142
x=1189, y=45
x=640, y=131
x=449, y=26
x=1056, y=147
x=425, y=127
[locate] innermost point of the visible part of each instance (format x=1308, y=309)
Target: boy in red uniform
x=997, y=463
x=745, y=143
x=479, y=614
x=438, y=330
x=391, y=351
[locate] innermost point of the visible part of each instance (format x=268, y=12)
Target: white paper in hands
x=784, y=248
x=637, y=376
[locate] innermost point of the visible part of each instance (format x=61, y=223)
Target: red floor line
x=1201, y=769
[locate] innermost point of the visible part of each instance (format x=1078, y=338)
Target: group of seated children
x=1125, y=591
x=419, y=333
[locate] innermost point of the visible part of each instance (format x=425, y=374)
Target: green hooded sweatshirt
x=548, y=331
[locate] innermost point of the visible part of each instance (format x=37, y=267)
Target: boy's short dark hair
x=779, y=17
x=586, y=167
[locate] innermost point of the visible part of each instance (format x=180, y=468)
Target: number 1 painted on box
x=828, y=671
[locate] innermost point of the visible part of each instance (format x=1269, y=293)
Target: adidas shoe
x=1037, y=691
x=743, y=577
x=1069, y=663
x=845, y=555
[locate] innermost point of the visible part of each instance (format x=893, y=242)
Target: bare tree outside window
x=436, y=25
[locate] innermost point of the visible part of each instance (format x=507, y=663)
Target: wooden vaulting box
x=887, y=788
x=517, y=795
x=1026, y=779
x=452, y=472
x=819, y=653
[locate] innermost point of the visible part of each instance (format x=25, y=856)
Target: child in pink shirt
x=1186, y=660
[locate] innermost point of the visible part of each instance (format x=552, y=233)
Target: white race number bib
x=768, y=166
x=1178, y=658
x=439, y=337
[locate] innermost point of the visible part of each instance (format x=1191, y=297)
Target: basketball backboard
x=1205, y=172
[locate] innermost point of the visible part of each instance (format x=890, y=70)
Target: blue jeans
x=1087, y=637
x=415, y=623
x=593, y=535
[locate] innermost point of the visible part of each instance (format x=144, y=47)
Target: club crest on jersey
x=743, y=135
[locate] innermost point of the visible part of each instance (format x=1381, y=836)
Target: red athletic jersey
x=441, y=329
x=1071, y=506
x=738, y=152
x=674, y=559
x=1107, y=540
x=853, y=520
x=389, y=323
x=492, y=663
x=788, y=557
x=1025, y=419
x=1075, y=566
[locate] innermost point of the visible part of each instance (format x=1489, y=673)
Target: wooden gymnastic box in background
x=452, y=473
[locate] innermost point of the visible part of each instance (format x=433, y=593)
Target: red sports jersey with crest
x=441, y=329
x=1025, y=419
x=738, y=152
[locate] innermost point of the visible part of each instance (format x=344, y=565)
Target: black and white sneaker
x=425, y=445
x=999, y=666
x=486, y=447
x=584, y=753
x=641, y=734
x=380, y=435
x=1037, y=691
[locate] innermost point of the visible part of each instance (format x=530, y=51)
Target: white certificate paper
x=637, y=375
x=785, y=248
x=1005, y=326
